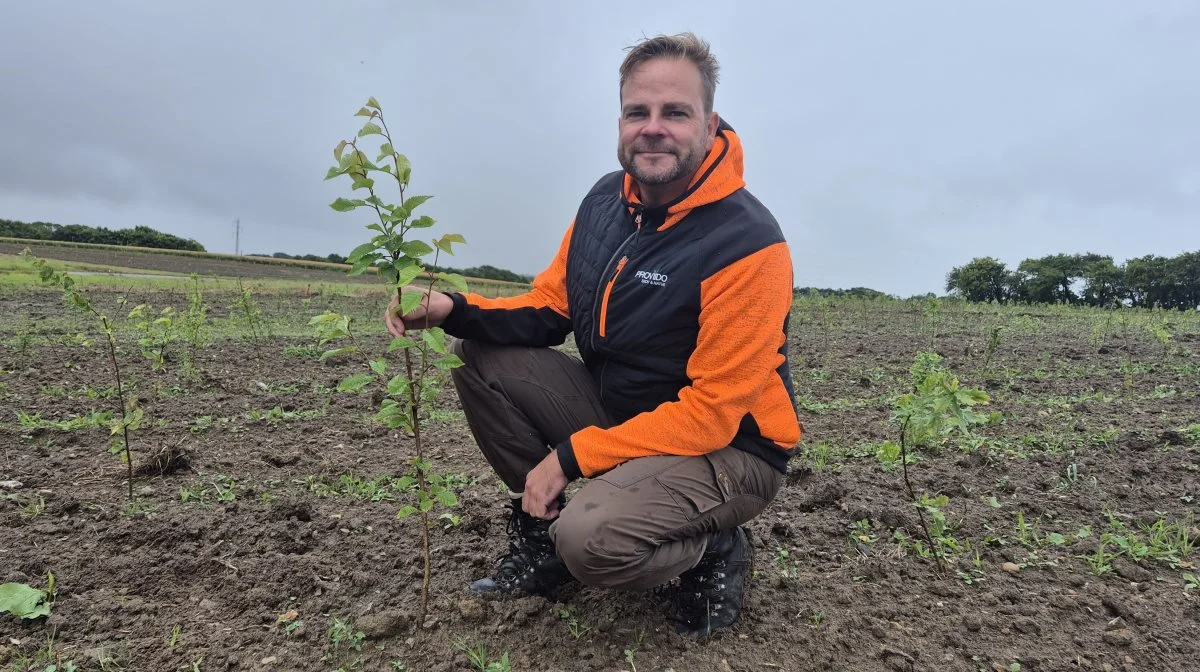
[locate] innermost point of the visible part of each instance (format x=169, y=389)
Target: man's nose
x=653, y=125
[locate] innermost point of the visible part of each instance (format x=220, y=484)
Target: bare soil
x=1080, y=446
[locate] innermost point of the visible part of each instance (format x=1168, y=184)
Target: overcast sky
x=893, y=141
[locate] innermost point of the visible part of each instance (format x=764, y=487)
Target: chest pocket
x=650, y=300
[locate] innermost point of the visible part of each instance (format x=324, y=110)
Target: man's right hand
x=434, y=308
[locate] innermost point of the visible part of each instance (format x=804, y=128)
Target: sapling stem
x=937, y=551
x=112, y=356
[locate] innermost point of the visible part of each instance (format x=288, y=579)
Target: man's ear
x=714, y=120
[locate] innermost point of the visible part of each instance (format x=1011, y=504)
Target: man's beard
x=685, y=165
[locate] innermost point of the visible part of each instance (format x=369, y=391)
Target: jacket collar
x=719, y=175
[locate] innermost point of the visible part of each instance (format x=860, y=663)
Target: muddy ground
x=280, y=523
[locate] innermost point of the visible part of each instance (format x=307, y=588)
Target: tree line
x=1083, y=279
x=138, y=236
x=485, y=272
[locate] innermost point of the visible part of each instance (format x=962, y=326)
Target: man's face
x=664, y=133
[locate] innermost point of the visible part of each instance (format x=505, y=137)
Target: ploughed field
x=263, y=532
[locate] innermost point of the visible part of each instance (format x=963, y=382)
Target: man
x=677, y=284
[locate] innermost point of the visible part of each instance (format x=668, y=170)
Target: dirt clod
x=383, y=624
x=1121, y=637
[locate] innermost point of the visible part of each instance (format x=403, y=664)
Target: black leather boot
x=531, y=564
x=710, y=595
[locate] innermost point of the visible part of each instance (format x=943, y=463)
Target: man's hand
x=542, y=486
x=434, y=308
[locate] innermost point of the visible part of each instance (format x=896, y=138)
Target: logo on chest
x=651, y=278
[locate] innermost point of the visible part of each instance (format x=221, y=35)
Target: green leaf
x=409, y=302
x=426, y=505
x=334, y=172
x=371, y=102
x=401, y=343
x=448, y=361
x=412, y=203
x=364, y=112
x=435, y=338
x=398, y=385
x=447, y=498
x=345, y=205
x=406, y=511
x=403, y=168
x=336, y=352
x=416, y=248
x=363, y=183
x=385, y=150
x=370, y=128
x=408, y=274
x=364, y=263
x=24, y=601
x=459, y=282
x=422, y=222
x=354, y=383
x=379, y=366
x=337, y=151
x=376, y=227
x=359, y=251
x=447, y=240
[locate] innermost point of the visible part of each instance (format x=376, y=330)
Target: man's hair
x=681, y=46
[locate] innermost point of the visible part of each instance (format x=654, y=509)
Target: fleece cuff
x=566, y=459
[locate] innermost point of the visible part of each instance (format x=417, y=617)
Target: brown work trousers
x=634, y=527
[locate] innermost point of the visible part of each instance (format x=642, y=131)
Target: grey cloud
x=891, y=141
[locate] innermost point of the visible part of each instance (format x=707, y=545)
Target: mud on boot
x=531, y=564
x=710, y=596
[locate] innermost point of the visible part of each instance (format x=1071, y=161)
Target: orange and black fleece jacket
x=679, y=312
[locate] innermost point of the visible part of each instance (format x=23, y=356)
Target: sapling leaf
x=371, y=102
x=403, y=168
x=364, y=112
x=337, y=352
x=337, y=151
x=435, y=338
x=459, y=282
x=409, y=302
x=359, y=251
x=406, y=511
x=416, y=248
x=447, y=498
x=398, y=385
x=354, y=382
x=363, y=183
x=379, y=366
x=426, y=504
x=376, y=227
x=24, y=601
x=422, y=222
x=407, y=275
x=370, y=129
x=448, y=361
x=444, y=243
x=385, y=150
x=345, y=204
x=401, y=343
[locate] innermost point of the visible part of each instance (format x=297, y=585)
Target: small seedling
x=130, y=415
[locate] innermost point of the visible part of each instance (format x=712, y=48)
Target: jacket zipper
x=608, y=293
x=601, y=290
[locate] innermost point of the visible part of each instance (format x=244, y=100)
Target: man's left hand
x=542, y=486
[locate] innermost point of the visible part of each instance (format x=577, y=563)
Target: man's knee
x=592, y=547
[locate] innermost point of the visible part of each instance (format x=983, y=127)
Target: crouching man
x=677, y=284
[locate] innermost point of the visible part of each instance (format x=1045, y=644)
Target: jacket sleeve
x=538, y=318
x=738, y=351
